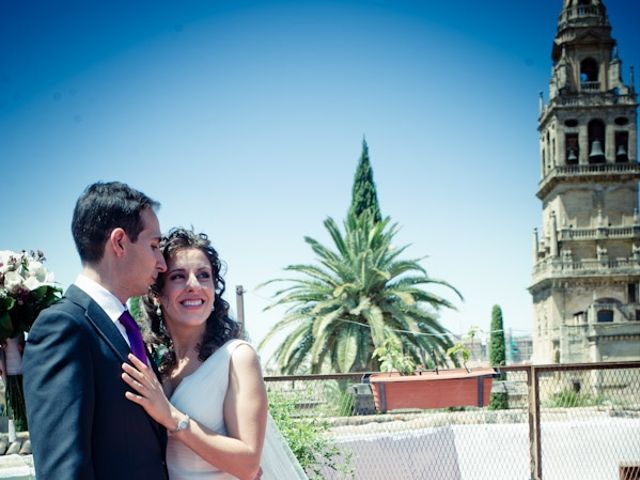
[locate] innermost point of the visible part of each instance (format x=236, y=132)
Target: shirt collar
x=103, y=297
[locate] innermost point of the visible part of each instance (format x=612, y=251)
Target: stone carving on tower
x=586, y=270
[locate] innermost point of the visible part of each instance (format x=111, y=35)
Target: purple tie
x=134, y=335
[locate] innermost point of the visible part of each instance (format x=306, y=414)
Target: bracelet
x=182, y=425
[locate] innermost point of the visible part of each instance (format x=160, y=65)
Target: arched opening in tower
x=622, y=147
x=589, y=74
x=572, y=153
x=596, y=141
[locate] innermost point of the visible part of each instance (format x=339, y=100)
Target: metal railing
x=562, y=421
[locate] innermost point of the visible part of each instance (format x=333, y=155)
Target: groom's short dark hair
x=102, y=207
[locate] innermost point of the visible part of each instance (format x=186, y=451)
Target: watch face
x=184, y=423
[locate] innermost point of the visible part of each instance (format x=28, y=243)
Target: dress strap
x=231, y=345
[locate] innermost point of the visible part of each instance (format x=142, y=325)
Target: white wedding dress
x=201, y=395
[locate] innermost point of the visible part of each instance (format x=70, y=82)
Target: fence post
x=240, y=308
x=534, y=423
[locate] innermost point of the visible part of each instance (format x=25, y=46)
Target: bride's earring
x=158, y=311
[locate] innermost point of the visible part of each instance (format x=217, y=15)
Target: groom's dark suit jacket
x=80, y=423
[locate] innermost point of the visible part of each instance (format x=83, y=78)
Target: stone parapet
x=603, y=172
x=587, y=14
x=586, y=100
x=600, y=233
x=556, y=268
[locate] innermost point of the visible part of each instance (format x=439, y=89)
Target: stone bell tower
x=586, y=256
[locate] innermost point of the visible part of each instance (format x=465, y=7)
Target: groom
x=81, y=424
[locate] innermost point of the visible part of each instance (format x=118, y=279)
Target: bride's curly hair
x=220, y=327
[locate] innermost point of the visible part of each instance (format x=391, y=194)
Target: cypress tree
x=364, y=195
x=497, y=356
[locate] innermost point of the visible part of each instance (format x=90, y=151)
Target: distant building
x=478, y=353
x=587, y=255
x=519, y=348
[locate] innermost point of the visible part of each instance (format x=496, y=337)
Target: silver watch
x=182, y=424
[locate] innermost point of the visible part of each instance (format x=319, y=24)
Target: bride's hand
x=149, y=394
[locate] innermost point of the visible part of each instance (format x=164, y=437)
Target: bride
x=212, y=399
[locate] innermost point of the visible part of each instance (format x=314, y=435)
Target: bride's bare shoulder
x=244, y=356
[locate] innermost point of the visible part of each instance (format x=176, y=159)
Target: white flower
x=37, y=271
x=32, y=283
x=12, y=279
x=5, y=257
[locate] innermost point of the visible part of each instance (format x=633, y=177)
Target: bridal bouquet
x=26, y=288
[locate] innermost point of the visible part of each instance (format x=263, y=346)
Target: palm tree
x=359, y=294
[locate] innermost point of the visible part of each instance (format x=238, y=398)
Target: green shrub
x=306, y=437
x=392, y=358
x=498, y=356
x=339, y=398
x=570, y=398
x=499, y=401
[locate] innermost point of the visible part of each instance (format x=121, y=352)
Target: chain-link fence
x=586, y=421
x=561, y=422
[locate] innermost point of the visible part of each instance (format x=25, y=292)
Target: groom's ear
x=117, y=241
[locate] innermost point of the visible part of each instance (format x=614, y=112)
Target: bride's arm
x=245, y=416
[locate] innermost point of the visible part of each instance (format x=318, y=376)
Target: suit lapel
x=103, y=325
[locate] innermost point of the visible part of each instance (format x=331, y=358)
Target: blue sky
x=245, y=120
